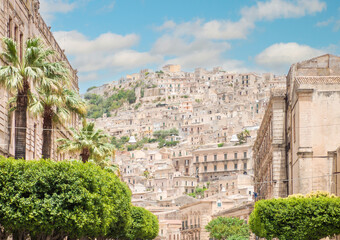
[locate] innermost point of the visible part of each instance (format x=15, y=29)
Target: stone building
x=21, y=20
x=213, y=163
x=269, y=150
x=313, y=117
x=197, y=215
x=297, y=144
x=242, y=211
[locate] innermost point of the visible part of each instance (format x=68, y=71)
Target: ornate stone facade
x=269, y=150
x=313, y=117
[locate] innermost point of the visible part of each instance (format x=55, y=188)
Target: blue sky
x=106, y=39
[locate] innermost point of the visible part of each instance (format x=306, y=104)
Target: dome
x=234, y=138
x=132, y=139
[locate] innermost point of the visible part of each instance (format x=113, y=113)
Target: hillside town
x=232, y=133
x=176, y=148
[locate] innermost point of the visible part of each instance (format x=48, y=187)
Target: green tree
x=17, y=76
x=144, y=224
x=228, y=228
x=242, y=137
x=298, y=217
x=92, y=144
x=55, y=106
x=53, y=200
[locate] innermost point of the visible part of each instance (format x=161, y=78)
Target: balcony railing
x=222, y=160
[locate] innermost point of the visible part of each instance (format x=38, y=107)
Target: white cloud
x=49, y=7
x=204, y=43
x=262, y=11
x=280, y=56
x=88, y=77
x=275, y=9
x=76, y=43
x=108, y=51
x=325, y=23
x=107, y=8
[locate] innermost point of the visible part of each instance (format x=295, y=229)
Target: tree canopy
x=298, y=217
x=144, y=224
x=98, y=105
x=58, y=199
x=228, y=228
x=91, y=143
x=21, y=71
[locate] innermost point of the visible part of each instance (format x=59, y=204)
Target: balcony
x=222, y=160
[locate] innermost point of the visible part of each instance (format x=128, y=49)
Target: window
x=215, y=168
x=21, y=43
x=205, y=168
x=225, y=166
x=215, y=157
x=197, y=158
x=160, y=198
x=219, y=203
x=197, y=170
x=225, y=156
x=245, y=155
x=294, y=133
x=245, y=166
x=9, y=28
x=235, y=155
x=235, y=166
x=15, y=33
x=205, y=158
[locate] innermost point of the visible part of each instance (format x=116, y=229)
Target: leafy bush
x=144, y=224
x=199, y=192
x=47, y=199
x=165, y=133
x=228, y=228
x=297, y=217
x=220, y=145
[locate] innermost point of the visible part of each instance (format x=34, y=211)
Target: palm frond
x=10, y=55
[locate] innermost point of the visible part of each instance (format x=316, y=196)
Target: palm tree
x=92, y=144
x=17, y=76
x=55, y=105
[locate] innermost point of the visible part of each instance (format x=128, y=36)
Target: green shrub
x=144, y=224
x=297, y=217
x=48, y=199
x=228, y=228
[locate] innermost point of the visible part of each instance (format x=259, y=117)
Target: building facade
x=211, y=164
x=297, y=147
x=313, y=117
x=269, y=150
x=21, y=20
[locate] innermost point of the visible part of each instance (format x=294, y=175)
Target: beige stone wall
x=313, y=122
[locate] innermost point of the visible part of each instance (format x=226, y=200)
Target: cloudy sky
x=106, y=39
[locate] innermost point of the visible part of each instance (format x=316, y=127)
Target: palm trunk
x=47, y=132
x=85, y=155
x=21, y=122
